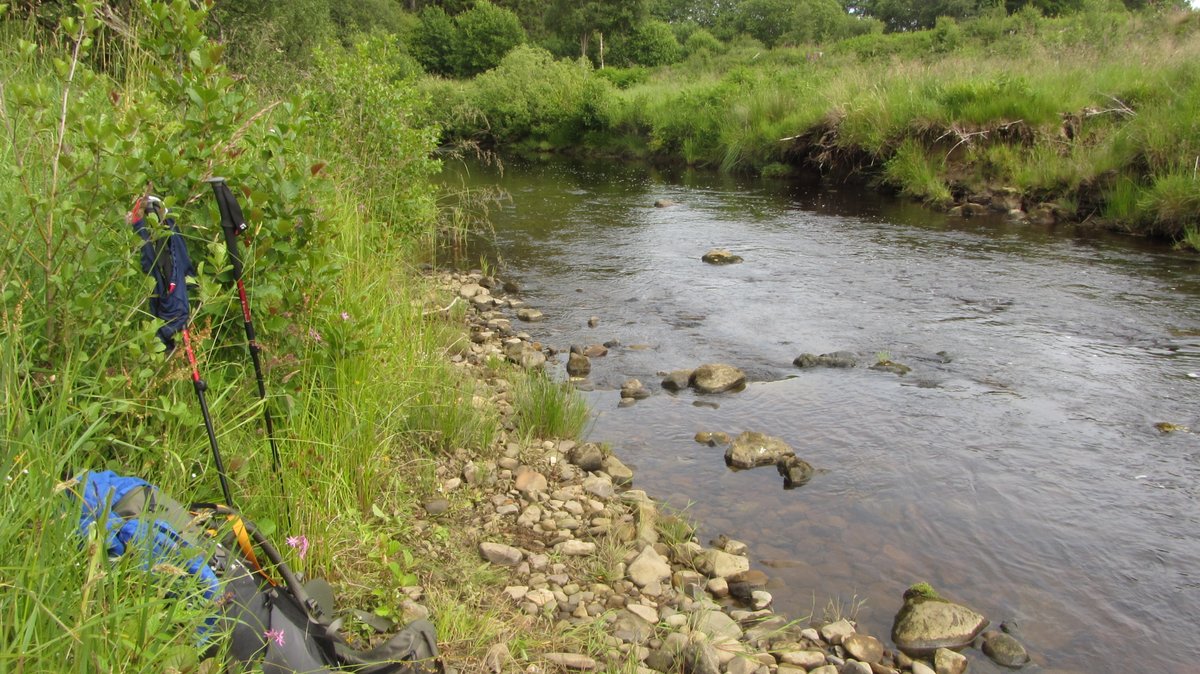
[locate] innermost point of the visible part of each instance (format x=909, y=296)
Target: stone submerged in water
x=1004, y=650
x=835, y=359
x=712, y=438
x=717, y=378
x=677, y=380
x=578, y=365
x=752, y=449
x=796, y=472
x=926, y=622
x=720, y=256
x=530, y=315
x=634, y=390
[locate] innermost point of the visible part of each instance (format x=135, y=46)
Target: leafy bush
x=485, y=33
x=651, y=44
x=702, y=41
x=623, y=78
x=532, y=94
x=366, y=103
x=433, y=41
x=947, y=35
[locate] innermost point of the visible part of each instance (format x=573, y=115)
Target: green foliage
x=792, y=22
x=485, y=33
x=549, y=409
x=702, y=41
x=78, y=133
x=1171, y=203
x=623, y=78
x=947, y=36
x=533, y=95
x=367, y=104
x=917, y=173
x=268, y=33
x=652, y=44
x=355, y=371
x=433, y=41
x=575, y=22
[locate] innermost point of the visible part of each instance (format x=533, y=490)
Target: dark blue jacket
x=167, y=260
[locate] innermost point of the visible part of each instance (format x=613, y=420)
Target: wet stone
x=1004, y=650
x=946, y=661
x=862, y=647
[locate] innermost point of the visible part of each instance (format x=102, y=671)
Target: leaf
x=375, y=510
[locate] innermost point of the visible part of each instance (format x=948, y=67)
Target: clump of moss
x=922, y=591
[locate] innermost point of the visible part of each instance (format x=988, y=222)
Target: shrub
x=702, y=41
x=623, y=78
x=433, y=41
x=651, y=44
x=485, y=33
x=532, y=94
x=366, y=103
x=947, y=35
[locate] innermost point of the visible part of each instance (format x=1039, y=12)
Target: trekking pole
x=234, y=223
x=200, y=387
x=169, y=264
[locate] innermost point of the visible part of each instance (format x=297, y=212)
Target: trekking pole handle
x=232, y=221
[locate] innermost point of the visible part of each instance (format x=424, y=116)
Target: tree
x=434, y=40
x=899, y=15
x=485, y=34
x=705, y=13
x=580, y=20
x=775, y=22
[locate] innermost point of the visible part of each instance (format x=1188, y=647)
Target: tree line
x=461, y=38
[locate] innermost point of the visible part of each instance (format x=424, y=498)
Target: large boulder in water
x=717, y=378
x=927, y=622
x=751, y=449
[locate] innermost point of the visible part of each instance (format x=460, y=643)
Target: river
x=1017, y=468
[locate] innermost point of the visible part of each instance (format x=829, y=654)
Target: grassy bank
x=113, y=102
x=1087, y=117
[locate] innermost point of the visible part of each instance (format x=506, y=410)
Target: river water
x=1017, y=468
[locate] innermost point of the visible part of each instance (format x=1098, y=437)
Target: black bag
x=273, y=625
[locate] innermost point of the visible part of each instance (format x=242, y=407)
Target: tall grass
x=1064, y=109
x=365, y=400
x=549, y=408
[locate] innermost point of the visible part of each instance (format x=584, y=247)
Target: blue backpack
x=272, y=624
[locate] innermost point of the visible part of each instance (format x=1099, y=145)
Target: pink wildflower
x=274, y=635
x=345, y=315
x=314, y=335
x=300, y=543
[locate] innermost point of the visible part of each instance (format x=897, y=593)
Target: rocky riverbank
x=579, y=550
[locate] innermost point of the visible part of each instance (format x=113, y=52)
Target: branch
x=442, y=310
